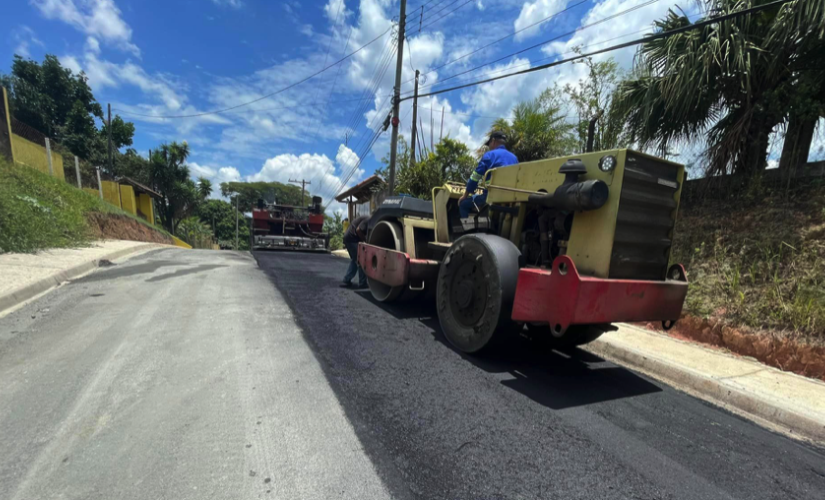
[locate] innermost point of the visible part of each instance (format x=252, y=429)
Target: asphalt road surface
x=199, y=375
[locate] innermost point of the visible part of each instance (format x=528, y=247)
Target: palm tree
x=204, y=187
x=538, y=129
x=733, y=81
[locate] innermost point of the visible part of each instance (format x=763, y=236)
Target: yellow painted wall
x=93, y=192
x=127, y=199
x=34, y=156
x=111, y=192
x=180, y=243
x=146, y=208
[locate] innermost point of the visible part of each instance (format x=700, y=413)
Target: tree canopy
x=60, y=104
x=271, y=192
x=732, y=82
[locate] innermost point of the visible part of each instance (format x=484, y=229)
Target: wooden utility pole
x=396, y=95
x=415, y=114
x=109, y=130
x=237, y=218
x=303, y=184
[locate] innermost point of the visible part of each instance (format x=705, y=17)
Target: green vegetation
x=758, y=262
x=60, y=104
x=335, y=227
x=251, y=192
x=38, y=211
x=220, y=216
x=539, y=128
x=732, y=82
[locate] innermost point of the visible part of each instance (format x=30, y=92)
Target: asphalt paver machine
x=562, y=249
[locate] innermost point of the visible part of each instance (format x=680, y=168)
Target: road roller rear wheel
x=476, y=287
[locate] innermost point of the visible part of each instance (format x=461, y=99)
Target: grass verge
x=39, y=212
x=758, y=263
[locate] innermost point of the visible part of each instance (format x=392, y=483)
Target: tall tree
x=221, y=218
x=732, y=81
x=539, y=128
x=61, y=105
x=169, y=176
x=592, y=99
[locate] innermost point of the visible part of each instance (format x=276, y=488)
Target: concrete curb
x=717, y=391
x=19, y=296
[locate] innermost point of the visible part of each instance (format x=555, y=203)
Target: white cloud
x=534, y=11
x=92, y=45
x=25, y=38
x=630, y=23
x=235, y=4
x=326, y=176
x=216, y=175
x=306, y=29
x=336, y=11
x=98, y=18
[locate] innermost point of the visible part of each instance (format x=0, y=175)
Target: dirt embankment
x=120, y=227
x=783, y=352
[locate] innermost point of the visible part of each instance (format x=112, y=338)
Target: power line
x=439, y=10
x=284, y=89
x=380, y=67
x=575, y=52
x=639, y=41
x=445, y=15
x=501, y=39
x=580, y=28
x=126, y=112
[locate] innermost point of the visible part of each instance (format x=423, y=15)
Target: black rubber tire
x=475, y=291
x=576, y=335
x=386, y=234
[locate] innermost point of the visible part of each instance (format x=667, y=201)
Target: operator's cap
x=498, y=135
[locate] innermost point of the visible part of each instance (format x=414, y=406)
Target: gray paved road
x=197, y=375
x=175, y=375
x=523, y=423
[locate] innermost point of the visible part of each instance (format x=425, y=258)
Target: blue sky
x=172, y=58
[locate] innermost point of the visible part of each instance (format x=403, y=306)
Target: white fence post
x=49, y=156
x=77, y=172
x=99, y=185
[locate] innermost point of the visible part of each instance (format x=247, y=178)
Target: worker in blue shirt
x=497, y=156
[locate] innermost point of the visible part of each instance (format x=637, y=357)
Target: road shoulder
x=26, y=276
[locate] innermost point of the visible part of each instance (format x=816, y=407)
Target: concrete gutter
x=782, y=401
x=27, y=275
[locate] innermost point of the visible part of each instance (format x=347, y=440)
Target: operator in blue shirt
x=497, y=156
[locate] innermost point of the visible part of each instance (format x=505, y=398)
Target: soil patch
x=783, y=352
x=120, y=227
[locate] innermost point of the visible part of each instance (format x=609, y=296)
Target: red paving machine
x=288, y=227
x=563, y=248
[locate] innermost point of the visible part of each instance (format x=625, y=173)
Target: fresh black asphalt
x=523, y=422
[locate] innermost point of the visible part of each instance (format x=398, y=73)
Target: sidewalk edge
x=17, y=297
x=714, y=390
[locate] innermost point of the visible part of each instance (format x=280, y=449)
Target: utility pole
x=303, y=184
x=77, y=172
x=415, y=114
x=441, y=133
x=109, y=130
x=396, y=95
x=237, y=217
x=432, y=124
